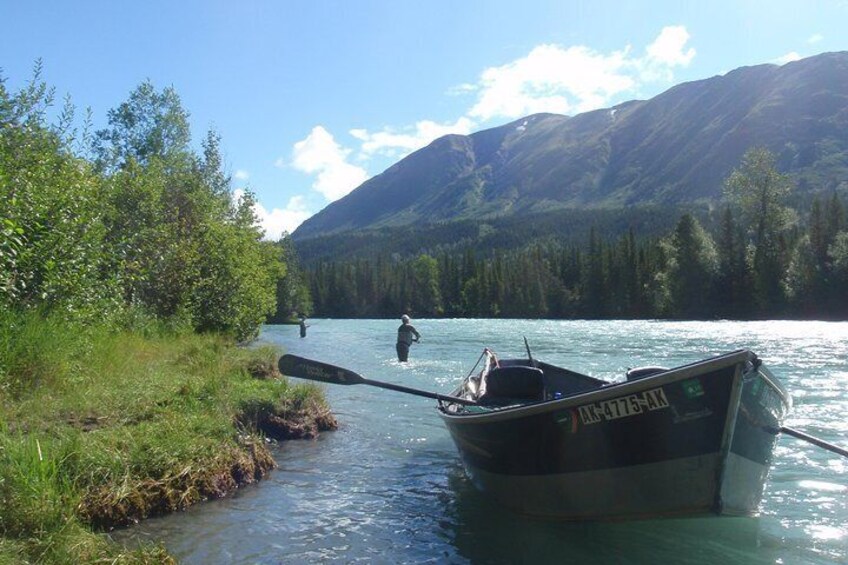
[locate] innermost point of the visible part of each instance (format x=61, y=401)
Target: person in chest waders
x=407, y=334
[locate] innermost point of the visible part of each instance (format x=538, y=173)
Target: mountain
x=674, y=149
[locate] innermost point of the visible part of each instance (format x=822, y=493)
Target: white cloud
x=788, y=58
x=815, y=38
x=461, y=89
x=277, y=221
x=241, y=175
x=668, y=48
x=552, y=78
x=391, y=143
x=667, y=52
x=319, y=154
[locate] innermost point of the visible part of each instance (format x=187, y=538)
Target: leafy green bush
x=147, y=226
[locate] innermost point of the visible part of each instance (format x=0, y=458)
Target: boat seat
x=513, y=384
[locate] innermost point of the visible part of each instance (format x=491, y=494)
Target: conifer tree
x=759, y=191
x=692, y=269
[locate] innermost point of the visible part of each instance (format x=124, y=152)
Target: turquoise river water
x=388, y=486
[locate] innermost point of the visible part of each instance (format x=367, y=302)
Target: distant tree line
x=761, y=261
x=486, y=236
x=129, y=223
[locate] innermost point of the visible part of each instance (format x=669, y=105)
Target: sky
x=312, y=98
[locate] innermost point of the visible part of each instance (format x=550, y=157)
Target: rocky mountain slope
x=673, y=149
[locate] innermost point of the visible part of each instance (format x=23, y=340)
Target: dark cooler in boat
x=517, y=383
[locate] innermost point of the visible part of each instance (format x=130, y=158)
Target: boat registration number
x=623, y=407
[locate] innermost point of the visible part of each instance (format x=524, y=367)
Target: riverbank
x=101, y=429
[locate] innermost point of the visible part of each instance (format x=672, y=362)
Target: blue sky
x=312, y=98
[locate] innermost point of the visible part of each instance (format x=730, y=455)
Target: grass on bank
x=100, y=429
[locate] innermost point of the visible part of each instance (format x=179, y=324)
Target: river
x=388, y=486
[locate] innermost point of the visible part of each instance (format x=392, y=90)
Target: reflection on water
x=388, y=486
x=501, y=538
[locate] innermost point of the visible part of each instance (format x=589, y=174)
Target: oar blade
x=303, y=368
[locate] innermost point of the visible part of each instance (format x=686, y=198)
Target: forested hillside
x=754, y=257
x=719, y=198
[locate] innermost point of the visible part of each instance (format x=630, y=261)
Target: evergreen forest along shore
x=129, y=275
x=764, y=253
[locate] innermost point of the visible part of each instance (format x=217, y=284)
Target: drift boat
x=691, y=440
x=543, y=440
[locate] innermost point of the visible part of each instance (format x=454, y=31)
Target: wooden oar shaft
x=418, y=392
x=815, y=441
x=310, y=369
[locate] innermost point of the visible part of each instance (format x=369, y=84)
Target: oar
x=303, y=368
x=811, y=439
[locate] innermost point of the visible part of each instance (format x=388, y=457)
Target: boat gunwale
x=613, y=390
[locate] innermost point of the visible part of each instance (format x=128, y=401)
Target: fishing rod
x=529, y=355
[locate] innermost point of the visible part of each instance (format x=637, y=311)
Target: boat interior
x=507, y=382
